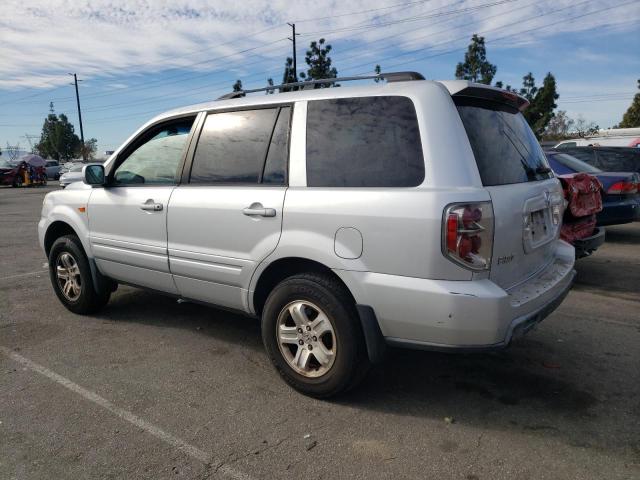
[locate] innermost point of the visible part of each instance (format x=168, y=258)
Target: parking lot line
x=157, y=432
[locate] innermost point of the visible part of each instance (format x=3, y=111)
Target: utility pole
x=293, y=39
x=75, y=82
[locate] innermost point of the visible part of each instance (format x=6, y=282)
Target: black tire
x=351, y=362
x=89, y=300
x=17, y=182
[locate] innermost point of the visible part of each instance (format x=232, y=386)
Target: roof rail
x=389, y=77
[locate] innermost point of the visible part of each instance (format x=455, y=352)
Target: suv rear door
x=227, y=215
x=527, y=200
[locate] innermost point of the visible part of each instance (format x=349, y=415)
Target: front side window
x=243, y=147
x=156, y=160
x=363, y=142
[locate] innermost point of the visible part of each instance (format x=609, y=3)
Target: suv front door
x=128, y=217
x=228, y=216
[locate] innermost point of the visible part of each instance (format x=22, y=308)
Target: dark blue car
x=620, y=198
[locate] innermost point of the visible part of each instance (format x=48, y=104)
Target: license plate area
x=538, y=226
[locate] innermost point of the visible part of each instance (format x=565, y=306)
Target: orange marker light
x=82, y=209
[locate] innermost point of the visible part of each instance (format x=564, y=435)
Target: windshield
x=505, y=148
x=5, y=164
x=76, y=168
x=572, y=163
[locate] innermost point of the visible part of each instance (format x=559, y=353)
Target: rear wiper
x=543, y=170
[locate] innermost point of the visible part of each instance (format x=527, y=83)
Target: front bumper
x=462, y=315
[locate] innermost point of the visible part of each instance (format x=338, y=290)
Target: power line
x=315, y=19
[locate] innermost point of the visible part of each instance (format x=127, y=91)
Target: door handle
x=257, y=210
x=151, y=206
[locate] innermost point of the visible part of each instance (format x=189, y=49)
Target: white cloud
x=43, y=40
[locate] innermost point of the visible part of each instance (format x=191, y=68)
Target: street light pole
x=75, y=81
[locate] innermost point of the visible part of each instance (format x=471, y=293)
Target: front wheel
x=311, y=331
x=70, y=275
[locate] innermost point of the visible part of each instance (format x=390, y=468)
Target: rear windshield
x=505, y=148
x=573, y=164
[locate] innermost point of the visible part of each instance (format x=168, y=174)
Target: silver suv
x=410, y=213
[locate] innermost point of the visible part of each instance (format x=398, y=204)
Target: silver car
x=412, y=213
x=72, y=174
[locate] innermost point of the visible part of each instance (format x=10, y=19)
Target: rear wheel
x=70, y=275
x=17, y=182
x=312, y=334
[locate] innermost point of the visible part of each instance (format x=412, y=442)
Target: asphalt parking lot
x=150, y=388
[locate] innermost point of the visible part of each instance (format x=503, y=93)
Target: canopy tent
x=34, y=160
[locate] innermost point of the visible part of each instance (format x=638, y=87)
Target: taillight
x=468, y=234
x=623, y=188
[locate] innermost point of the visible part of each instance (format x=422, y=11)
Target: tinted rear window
x=363, y=142
x=233, y=146
x=572, y=164
x=505, y=148
x=620, y=160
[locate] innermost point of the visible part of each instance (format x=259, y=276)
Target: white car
x=73, y=174
x=413, y=213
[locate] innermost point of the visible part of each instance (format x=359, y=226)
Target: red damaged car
x=583, y=193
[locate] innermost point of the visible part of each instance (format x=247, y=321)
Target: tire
x=81, y=297
x=312, y=293
x=17, y=182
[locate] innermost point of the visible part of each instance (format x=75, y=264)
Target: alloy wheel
x=306, y=338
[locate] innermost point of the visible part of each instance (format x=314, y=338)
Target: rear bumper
x=617, y=212
x=462, y=315
x=586, y=246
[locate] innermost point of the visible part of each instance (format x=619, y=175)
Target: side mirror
x=93, y=175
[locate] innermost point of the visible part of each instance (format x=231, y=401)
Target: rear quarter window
x=363, y=142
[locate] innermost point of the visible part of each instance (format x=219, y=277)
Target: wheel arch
x=282, y=268
x=57, y=229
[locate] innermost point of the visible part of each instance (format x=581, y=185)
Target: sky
x=137, y=58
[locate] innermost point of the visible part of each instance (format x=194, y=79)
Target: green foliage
x=631, y=117
x=542, y=102
x=289, y=76
x=270, y=83
x=58, y=139
x=529, y=88
x=476, y=67
x=377, y=71
x=237, y=87
x=319, y=63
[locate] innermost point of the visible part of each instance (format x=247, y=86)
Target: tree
x=237, y=87
x=377, y=71
x=508, y=88
x=583, y=128
x=289, y=75
x=88, y=150
x=58, y=139
x=476, y=67
x=540, y=110
x=559, y=127
x=529, y=88
x=631, y=117
x=270, y=83
x=319, y=62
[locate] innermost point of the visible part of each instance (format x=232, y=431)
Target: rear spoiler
x=460, y=88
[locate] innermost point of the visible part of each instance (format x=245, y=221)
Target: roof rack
x=389, y=77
